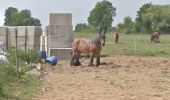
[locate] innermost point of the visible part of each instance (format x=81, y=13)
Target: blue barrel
x=52, y=60
x=42, y=54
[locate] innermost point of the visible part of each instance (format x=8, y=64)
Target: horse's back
x=80, y=45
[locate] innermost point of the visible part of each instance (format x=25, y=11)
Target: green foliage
x=126, y=27
x=126, y=45
x=101, y=17
x=9, y=16
x=7, y=74
x=24, y=56
x=26, y=84
x=149, y=18
x=21, y=18
x=83, y=27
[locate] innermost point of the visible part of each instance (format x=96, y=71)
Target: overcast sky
x=80, y=9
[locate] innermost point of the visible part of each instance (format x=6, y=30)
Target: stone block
x=11, y=41
x=21, y=31
x=3, y=31
x=3, y=39
x=59, y=41
x=59, y=36
x=21, y=40
x=60, y=30
x=11, y=31
x=34, y=31
x=61, y=53
x=60, y=19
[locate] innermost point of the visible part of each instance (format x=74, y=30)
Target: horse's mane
x=96, y=39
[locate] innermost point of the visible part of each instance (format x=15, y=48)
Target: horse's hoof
x=97, y=64
x=76, y=64
x=90, y=65
x=71, y=64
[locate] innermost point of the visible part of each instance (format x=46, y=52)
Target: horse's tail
x=74, y=46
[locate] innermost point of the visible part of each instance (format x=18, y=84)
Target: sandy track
x=121, y=78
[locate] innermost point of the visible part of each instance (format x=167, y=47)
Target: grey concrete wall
x=21, y=31
x=34, y=31
x=60, y=19
x=60, y=30
x=11, y=37
x=3, y=36
x=61, y=53
x=3, y=39
x=27, y=35
x=3, y=31
x=59, y=36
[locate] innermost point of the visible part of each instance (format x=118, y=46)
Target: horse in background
x=155, y=36
x=92, y=47
x=115, y=36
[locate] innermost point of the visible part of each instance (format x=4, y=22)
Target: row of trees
x=149, y=18
x=13, y=17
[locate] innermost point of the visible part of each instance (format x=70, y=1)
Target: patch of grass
x=132, y=44
x=10, y=87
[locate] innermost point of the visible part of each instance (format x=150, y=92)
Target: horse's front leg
x=72, y=59
x=77, y=62
x=91, y=59
x=98, y=60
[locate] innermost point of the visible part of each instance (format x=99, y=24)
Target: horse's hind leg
x=91, y=60
x=72, y=59
x=98, y=60
x=77, y=62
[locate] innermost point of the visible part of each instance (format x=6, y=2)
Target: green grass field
x=132, y=44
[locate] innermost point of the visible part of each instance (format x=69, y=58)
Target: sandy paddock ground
x=118, y=78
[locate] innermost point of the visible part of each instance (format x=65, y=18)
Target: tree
x=22, y=18
x=9, y=16
x=140, y=22
x=127, y=26
x=83, y=27
x=101, y=17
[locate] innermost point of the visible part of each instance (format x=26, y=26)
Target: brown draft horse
x=92, y=47
x=155, y=37
x=115, y=36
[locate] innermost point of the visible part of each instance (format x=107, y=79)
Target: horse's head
x=102, y=40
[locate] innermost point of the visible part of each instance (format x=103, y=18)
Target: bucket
x=52, y=60
x=42, y=54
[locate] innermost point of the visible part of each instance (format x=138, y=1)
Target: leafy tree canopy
x=13, y=17
x=101, y=17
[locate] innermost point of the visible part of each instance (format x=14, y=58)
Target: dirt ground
x=119, y=78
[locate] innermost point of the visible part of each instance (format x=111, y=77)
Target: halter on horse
x=92, y=47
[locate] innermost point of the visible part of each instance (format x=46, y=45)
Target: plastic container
x=52, y=60
x=42, y=54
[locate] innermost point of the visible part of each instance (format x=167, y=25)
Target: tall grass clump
x=26, y=85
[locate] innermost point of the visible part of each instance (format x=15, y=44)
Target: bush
x=83, y=27
x=8, y=72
